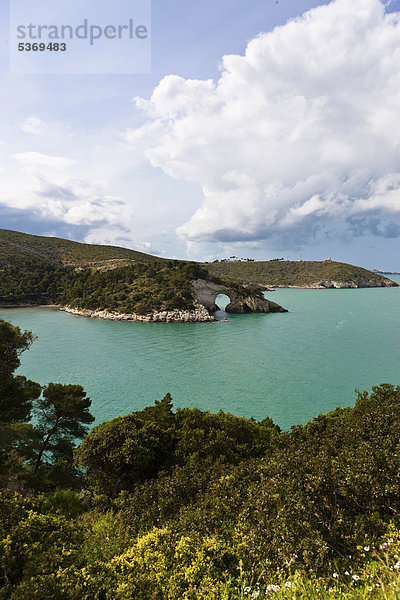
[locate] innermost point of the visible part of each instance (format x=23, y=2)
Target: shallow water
x=289, y=366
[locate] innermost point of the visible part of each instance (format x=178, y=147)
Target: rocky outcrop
x=205, y=292
x=360, y=283
x=253, y=304
x=199, y=315
x=328, y=284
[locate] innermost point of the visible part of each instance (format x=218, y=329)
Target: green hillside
x=295, y=273
x=38, y=270
x=136, y=287
x=17, y=248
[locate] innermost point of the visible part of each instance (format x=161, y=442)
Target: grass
x=287, y=273
x=372, y=574
x=17, y=247
x=380, y=580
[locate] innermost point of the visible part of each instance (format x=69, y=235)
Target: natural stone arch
x=222, y=301
x=205, y=292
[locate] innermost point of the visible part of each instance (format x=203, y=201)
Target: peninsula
x=116, y=283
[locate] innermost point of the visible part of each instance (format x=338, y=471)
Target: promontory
x=116, y=283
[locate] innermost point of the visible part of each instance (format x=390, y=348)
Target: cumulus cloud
x=51, y=191
x=298, y=138
x=32, y=125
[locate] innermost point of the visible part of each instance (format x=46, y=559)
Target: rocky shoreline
x=199, y=315
x=342, y=285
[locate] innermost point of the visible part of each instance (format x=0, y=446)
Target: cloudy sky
x=268, y=128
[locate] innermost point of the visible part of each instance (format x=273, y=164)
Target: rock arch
x=205, y=293
x=222, y=301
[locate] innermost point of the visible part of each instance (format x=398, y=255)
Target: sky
x=264, y=129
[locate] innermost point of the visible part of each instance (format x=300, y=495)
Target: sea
x=287, y=366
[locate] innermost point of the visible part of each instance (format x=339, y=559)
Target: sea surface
x=288, y=366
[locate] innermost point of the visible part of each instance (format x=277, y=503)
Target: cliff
x=242, y=300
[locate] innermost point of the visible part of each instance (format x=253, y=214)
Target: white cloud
x=114, y=235
x=38, y=160
x=301, y=133
x=32, y=125
x=53, y=189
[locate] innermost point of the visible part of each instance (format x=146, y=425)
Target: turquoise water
x=288, y=366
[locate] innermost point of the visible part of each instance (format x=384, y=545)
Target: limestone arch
x=206, y=292
x=222, y=300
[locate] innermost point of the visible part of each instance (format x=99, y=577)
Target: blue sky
x=288, y=148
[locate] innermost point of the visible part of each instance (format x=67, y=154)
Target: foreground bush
x=187, y=505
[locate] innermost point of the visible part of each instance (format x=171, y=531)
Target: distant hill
x=278, y=273
x=38, y=270
x=17, y=248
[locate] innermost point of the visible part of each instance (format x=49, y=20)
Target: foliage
x=33, y=540
x=38, y=270
x=33, y=282
x=45, y=556
x=317, y=491
x=140, y=288
x=287, y=273
x=61, y=415
x=16, y=393
x=118, y=454
x=137, y=288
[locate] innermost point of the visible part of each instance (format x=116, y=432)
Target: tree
x=128, y=450
x=12, y=343
x=62, y=414
x=16, y=392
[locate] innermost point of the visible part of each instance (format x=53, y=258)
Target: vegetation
x=287, y=273
x=38, y=453
x=137, y=288
x=16, y=248
x=39, y=270
x=34, y=282
x=36, y=270
x=188, y=505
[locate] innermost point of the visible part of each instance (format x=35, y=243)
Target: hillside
x=23, y=250
x=116, y=282
x=17, y=248
x=277, y=273
x=45, y=270
x=134, y=288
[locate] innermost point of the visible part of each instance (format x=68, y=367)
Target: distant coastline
x=385, y=272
